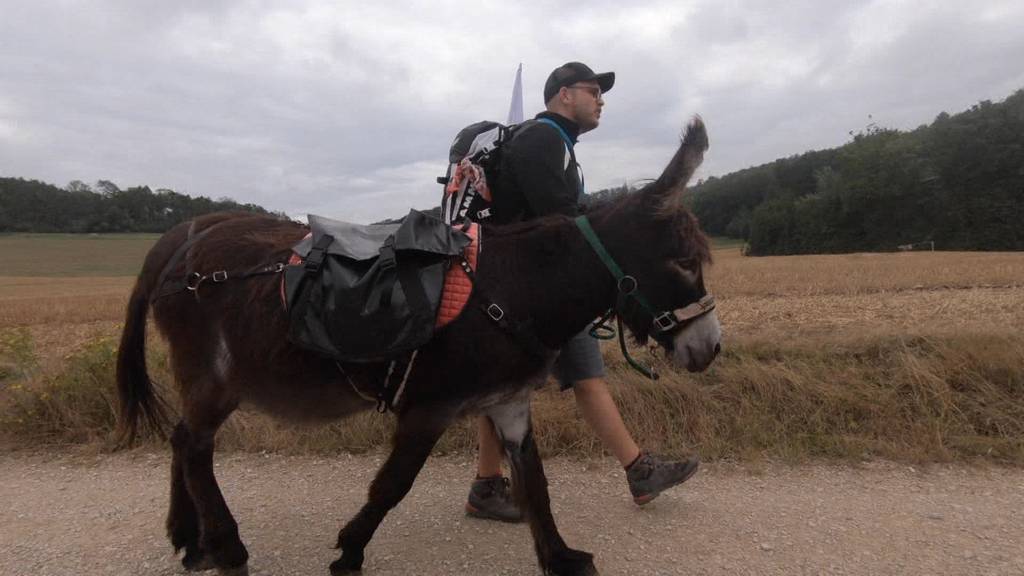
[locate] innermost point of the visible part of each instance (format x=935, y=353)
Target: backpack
x=474, y=164
x=474, y=161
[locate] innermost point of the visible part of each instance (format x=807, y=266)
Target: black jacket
x=539, y=174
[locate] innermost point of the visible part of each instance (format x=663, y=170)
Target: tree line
x=34, y=206
x=958, y=182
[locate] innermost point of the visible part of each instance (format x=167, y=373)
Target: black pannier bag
x=369, y=293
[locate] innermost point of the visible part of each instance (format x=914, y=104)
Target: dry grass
x=918, y=399
x=916, y=357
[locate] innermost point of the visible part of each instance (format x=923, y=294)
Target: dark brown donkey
x=228, y=347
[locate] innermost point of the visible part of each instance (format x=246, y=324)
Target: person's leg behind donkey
x=579, y=366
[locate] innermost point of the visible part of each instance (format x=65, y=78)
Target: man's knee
x=590, y=387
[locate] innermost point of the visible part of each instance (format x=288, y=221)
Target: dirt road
x=64, y=514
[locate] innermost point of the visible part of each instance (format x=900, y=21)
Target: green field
x=722, y=242
x=73, y=254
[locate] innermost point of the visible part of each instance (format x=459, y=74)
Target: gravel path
x=103, y=515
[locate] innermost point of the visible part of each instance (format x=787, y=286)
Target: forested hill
x=33, y=206
x=958, y=182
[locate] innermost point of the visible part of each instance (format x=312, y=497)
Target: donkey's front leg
x=419, y=428
x=513, y=423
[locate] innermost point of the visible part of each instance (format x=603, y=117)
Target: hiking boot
x=649, y=475
x=491, y=499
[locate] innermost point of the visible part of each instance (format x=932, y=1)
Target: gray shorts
x=579, y=359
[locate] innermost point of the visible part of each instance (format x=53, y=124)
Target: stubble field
x=909, y=356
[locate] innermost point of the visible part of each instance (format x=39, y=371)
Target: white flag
x=515, y=109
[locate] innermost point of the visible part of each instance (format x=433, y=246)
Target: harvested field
x=62, y=302
x=911, y=356
x=851, y=274
x=929, y=310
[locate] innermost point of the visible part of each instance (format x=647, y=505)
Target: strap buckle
x=387, y=254
x=193, y=280
x=495, y=312
x=317, y=253
x=665, y=321
x=219, y=276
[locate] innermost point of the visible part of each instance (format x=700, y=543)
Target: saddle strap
x=520, y=331
x=192, y=280
x=165, y=288
x=391, y=393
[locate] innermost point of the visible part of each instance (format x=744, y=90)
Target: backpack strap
x=561, y=131
x=568, y=145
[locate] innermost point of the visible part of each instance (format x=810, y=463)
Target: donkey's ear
x=669, y=186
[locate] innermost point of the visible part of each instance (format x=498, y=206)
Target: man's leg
x=489, y=496
x=488, y=463
x=647, y=475
x=601, y=413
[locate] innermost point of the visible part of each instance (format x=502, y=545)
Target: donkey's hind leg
x=205, y=409
x=512, y=421
x=182, y=518
x=418, y=430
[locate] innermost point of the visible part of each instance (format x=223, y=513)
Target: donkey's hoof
x=572, y=563
x=195, y=561
x=349, y=563
x=242, y=570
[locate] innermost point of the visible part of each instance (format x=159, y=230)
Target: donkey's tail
x=134, y=389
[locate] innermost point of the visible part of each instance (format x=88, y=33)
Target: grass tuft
x=914, y=399
x=75, y=406
x=18, y=360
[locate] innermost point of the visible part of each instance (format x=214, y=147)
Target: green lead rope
x=622, y=280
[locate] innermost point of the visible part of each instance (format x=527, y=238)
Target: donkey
x=228, y=346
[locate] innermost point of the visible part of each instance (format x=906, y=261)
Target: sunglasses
x=593, y=90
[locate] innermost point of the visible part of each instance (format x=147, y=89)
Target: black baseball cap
x=572, y=72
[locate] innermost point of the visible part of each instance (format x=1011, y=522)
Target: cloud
x=347, y=109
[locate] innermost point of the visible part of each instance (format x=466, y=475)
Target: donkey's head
x=665, y=251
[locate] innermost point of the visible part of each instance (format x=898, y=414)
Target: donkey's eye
x=688, y=275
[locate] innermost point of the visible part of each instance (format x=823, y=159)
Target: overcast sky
x=347, y=109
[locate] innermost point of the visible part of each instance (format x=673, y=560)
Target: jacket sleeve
x=539, y=167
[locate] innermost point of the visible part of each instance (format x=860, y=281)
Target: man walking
x=540, y=176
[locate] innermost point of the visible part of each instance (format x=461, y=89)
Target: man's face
x=585, y=104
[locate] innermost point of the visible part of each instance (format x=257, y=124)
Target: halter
x=664, y=321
